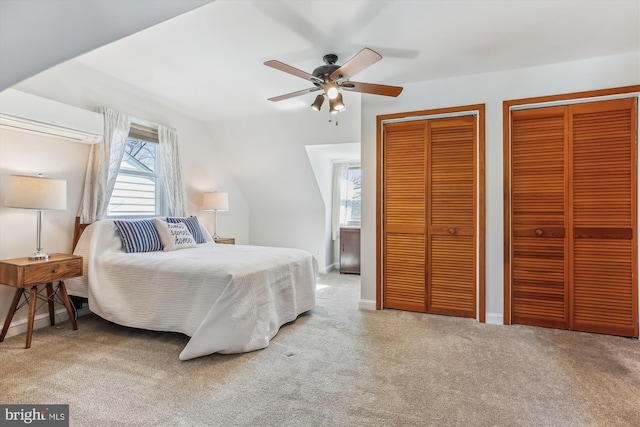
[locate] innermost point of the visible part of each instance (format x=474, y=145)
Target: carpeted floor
x=336, y=366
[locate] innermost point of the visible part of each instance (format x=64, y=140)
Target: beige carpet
x=336, y=366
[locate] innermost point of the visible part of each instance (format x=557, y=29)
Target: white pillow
x=174, y=236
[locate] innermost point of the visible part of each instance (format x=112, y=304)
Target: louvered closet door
x=539, y=265
x=574, y=217
x=451, y=212
x=429, y=213
x=404, y=211
x=604, y=291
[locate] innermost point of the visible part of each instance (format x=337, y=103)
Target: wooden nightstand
x=226, y=240
x=24, y=273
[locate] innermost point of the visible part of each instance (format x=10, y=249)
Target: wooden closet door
x=429, y=216
x=404, y=215
x=451, y=213
x=604, y=291
x=539, y=266
x=574, y=217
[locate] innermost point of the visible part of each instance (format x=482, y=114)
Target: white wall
x=205, y=169
x=25, y=154
x=269, y=161
x=322, y=168
x=491, y=89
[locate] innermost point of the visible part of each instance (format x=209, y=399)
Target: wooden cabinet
x=350, y=250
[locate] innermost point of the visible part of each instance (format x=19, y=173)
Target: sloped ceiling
x=37, y=34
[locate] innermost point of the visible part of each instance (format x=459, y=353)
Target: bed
x=226, y=298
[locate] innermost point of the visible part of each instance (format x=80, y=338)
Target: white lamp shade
x=31, y=192
x=215, y=202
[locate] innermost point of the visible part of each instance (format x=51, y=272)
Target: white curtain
x=171, y=172
x=103, y=166
x=338, y=214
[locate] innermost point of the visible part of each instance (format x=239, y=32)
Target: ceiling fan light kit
x=331, y=89
x=317, y=104
x=330, y=78
x=336, y=105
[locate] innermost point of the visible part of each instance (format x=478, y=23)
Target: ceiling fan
x=330, y=78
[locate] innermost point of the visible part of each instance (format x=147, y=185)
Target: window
x=136, y=192
x=352, y=201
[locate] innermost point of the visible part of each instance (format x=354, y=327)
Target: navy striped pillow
x=139, y=235
x=192, y=224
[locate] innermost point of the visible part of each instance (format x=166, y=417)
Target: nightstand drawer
x=23, y=272
x=52, y=271
x=226, y=241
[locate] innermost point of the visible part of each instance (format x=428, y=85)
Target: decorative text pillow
x=139, y=235
x=192, y=224
x=175, y=236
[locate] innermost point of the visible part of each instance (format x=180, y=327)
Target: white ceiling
x=208, y=63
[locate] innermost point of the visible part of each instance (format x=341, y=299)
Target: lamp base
x=40, y=255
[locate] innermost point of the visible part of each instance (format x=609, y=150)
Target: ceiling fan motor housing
x=330, y=58
x=324, y=71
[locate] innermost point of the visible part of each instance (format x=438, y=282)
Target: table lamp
x=36, y=192
x=215, y=202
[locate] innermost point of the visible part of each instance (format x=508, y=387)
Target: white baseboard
x=42, y=321
x=367, y=304
x=327, y=269
x=494, y=319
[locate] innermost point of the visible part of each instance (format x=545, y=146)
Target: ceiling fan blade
x=359, y=62
x=294, y=94
x=289, y=69
x=374, y=89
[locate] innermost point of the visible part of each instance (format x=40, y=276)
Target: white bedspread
x=227, y=298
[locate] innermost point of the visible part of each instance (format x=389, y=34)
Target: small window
x=136, y=192
x=352, y=200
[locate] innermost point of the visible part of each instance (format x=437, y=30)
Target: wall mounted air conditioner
x=24, y=112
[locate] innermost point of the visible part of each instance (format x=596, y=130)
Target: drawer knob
x=538, y=232
x=452, y=230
